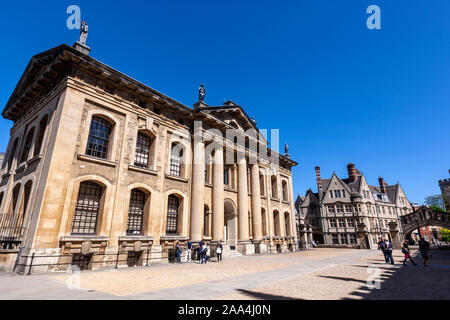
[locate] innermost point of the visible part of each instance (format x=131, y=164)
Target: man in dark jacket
x=424, y=248
x=382, y=247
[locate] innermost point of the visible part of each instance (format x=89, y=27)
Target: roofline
x=88, y=59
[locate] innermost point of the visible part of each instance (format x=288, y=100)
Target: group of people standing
x=386, y=247
x=204, y=252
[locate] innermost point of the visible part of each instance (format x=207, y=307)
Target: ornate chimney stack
x=383, y=185
x=352, y=174
x=319, y=179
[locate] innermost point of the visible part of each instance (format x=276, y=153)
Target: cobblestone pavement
x=312, y=274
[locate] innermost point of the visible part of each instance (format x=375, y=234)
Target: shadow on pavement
x=263, y=296
x=406, y=282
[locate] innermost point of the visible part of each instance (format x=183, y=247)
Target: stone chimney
x=319, y=180
x=352, y=174
x=383, y=185
x=358, y=173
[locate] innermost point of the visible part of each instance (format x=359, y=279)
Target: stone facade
x=445, y=189
x=350, y=212
x=100, y=165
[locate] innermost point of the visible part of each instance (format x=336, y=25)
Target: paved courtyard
x=312, y=274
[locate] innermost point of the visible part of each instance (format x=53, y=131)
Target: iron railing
x=12, y=230
x=30, y=264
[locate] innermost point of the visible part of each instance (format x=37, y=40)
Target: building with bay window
x=349, y=212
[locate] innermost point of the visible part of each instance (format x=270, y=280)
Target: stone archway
x=423, y=217
x=230, y=224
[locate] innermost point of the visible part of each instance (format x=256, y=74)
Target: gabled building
x=341, y=207
x=101, y=169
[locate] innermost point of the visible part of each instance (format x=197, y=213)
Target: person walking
x=407, y=252
x=208, y=253
x=200, y=250
x=188, y=257
x=382, y=247
x=424, y=248
x=203, y=254
x=388, y=246
x=178, y=252
x=219, y=252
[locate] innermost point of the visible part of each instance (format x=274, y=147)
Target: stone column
x=198, y=188
x=218, y=201
x=243, y=200
x=395, y=235
x=256, y=204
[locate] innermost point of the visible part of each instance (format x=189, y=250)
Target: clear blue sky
x=337, y=91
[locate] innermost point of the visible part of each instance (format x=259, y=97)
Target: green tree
x=445, y=234
x=435, y=201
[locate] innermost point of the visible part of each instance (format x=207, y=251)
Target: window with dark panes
x=27, y=146
x=226, y=177
x=99, y=135
x=136, y=212
x=12, y=153
x=176, y=160
x=172, y=215
x=87, y=208
x=40, y=136
x=142, y=154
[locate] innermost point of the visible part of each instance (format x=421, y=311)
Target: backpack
x=404, y=251
x=388, y=245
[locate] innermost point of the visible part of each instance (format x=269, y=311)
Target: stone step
x=234, y=253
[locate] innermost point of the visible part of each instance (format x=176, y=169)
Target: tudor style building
x=350, y=212
x=99, y=164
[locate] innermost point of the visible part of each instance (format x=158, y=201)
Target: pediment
x=37, y=78
x=232, y=114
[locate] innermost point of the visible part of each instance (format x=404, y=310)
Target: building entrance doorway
x=230, y=226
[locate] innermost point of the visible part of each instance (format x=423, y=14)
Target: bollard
x=31, y=264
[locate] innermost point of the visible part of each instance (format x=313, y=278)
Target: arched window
x=40, y=136
x=1, y=201
x=176, y=157
x=287, y=224
x=24, y=206
x=99, y=135
x=142, y=154
x=261, y=184
x=264, y=222
x=276, y=223
x=87, y=208
x=136, y=212
x=206, y=222
x=285, y=191
x=274, y=187
x=12, y=153
x=27, y=146
x=172, y=215
x=15, y=198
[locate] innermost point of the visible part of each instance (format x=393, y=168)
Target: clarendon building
x=101, y=169
x=350, y=212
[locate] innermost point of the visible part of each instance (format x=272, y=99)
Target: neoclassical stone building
x=99, y=164
x=350, y=212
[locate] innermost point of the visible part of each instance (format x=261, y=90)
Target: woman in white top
x=219, y=252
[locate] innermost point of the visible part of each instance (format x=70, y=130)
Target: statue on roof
x=83, y=33
x=286, y=149
x=201, y=92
